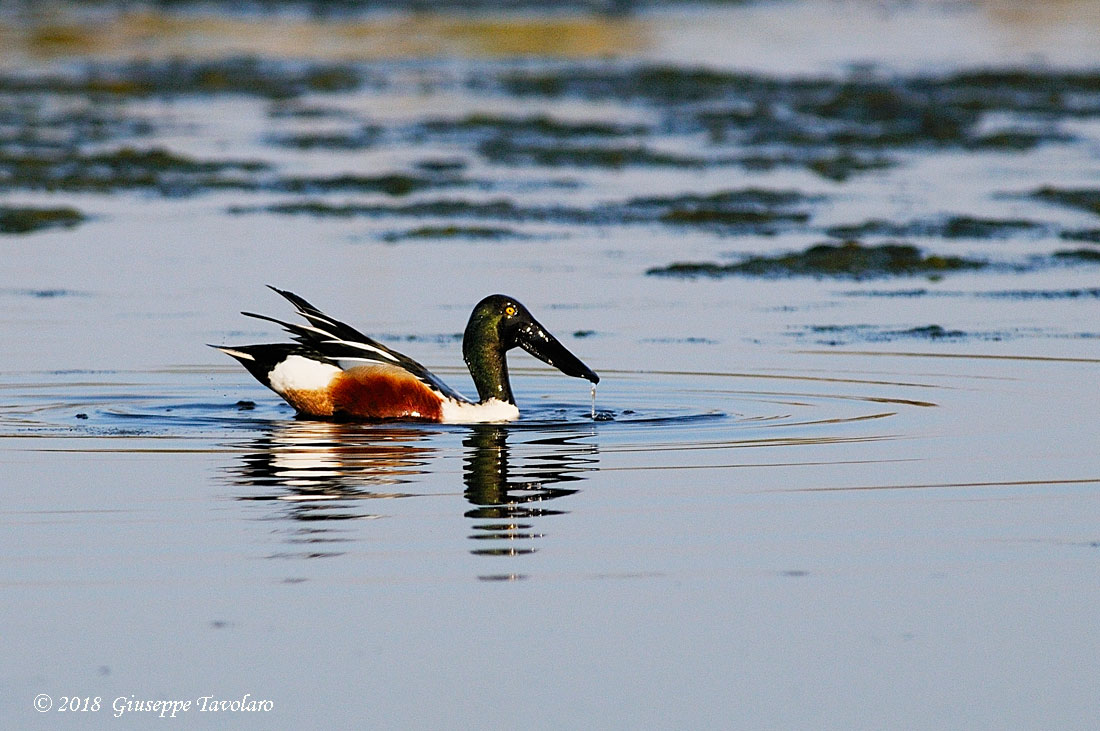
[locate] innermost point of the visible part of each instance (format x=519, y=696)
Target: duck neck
x=484, y=356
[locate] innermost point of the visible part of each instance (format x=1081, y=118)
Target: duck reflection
x=323, y=473
x=508, y=496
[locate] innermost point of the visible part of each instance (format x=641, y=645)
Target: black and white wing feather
x=341, y=343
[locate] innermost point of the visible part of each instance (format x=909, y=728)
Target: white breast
x=299, y=373
x=456, y=412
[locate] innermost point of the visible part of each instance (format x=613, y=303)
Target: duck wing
x=339, y=342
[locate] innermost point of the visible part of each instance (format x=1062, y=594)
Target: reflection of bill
x=507, y=495
x=323, y=471
x=499, y=488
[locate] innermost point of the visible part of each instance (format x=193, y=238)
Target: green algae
x=1092, y=235
x=951, y=227
x=740, y=199
x=540, y=125
x=876, y=114
x=360, y=139
x=123, y=169
x=872, y=227
x=14, y=220
x=507, y=151
x=1044, y=294
x=394, y=184
x=851, y=119
x=483, y=233
x=716, y=216
x=848, y=260
x=175, y=77
x=544, y=140
x=844, y=334
x=1011, y=294
x=1086, y=199
x=502, y=209
x=171, y=174
x=836, y=129
x=658, y=83
x=835, y=166
x=942, y=106
x=750, y=209
x=932, y=332
x=957, y=227
x=1015, y=140
x=843, y=165
x=1081, y=255
x=295, y=109
x=442, y=165
x=36, y=124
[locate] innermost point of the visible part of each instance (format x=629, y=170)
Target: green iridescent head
x=500, y=323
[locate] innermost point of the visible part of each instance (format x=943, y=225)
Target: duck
x=333, y=371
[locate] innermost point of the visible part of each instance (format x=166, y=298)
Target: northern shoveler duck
x=334, y=371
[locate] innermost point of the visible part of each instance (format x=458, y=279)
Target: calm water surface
x=858, y=501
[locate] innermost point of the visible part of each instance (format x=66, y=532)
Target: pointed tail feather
x=238, y=354
x=260, y=360
x=340, y=330
x=304, y=334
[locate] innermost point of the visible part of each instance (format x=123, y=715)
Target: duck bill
x=533, y=338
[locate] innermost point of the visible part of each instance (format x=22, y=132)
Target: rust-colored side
x=383, y=392
x=312, y=402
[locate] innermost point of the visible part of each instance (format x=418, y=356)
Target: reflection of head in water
x=500, y=489
x=505, y=485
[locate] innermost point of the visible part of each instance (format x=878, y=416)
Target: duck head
x=500, y=323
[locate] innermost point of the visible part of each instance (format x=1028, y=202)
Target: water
x=808, y=500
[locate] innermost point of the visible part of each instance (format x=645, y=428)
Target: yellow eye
x=509, y=310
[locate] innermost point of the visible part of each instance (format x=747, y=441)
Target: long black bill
x=533, y=338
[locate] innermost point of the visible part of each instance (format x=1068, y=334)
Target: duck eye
x=509, y=310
